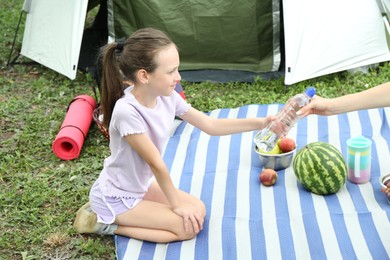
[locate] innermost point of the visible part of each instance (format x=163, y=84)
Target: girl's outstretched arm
x=218, y=126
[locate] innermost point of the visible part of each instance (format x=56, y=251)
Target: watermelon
x=320, y=168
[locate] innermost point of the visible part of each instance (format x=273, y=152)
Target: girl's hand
x=265, y=121
x=190, y=213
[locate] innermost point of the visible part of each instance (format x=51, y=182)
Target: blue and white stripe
x=246, y=220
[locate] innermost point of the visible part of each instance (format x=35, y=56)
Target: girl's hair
x=121, y=61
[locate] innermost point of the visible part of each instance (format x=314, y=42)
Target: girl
x=134, y=195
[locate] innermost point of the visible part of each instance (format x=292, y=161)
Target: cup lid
x=359, y=142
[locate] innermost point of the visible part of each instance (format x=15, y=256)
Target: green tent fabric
x=219, y=34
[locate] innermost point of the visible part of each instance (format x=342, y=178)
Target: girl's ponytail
x=112, y=82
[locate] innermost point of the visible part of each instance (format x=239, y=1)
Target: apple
x=287, y=145
x=268, y=177
x=275, y=150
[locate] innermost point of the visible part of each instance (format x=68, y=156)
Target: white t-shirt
x=125, y=173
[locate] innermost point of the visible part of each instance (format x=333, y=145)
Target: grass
x=40, y=194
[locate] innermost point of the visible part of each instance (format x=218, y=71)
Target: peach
x=287, y=144
x=268, y=177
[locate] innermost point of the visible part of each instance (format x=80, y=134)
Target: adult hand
x=318, y=106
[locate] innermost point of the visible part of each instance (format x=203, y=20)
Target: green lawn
x=39, y=193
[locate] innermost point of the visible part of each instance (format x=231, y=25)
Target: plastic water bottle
x=286, y=118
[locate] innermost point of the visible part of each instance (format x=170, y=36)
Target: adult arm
x=378, y=96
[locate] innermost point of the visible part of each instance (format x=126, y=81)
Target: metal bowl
x=276, y=161
x=382, y=180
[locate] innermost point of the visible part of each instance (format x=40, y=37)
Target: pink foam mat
x=70, y=139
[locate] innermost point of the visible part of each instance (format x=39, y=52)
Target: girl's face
x=163, y=79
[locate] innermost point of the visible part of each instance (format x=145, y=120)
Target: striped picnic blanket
x=246, y=220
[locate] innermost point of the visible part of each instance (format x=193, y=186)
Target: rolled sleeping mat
x=74, y=129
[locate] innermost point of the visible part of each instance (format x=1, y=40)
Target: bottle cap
x=310, y=91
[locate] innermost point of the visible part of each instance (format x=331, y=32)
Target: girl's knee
x=186, y=235
x=202, y=208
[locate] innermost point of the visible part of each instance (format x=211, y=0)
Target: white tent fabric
x=323, y=37
x=53, y=33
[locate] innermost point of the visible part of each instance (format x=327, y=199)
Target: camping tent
x=321, y=37
x=53, y=33
x=219, y=34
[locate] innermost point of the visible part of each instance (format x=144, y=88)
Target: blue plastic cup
x=359, y=159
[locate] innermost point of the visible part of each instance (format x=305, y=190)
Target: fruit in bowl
x=385, y=183
x=275, y=150
x=284, y=145
x=278, y=159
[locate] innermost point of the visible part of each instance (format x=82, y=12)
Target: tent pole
x=13, y=43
